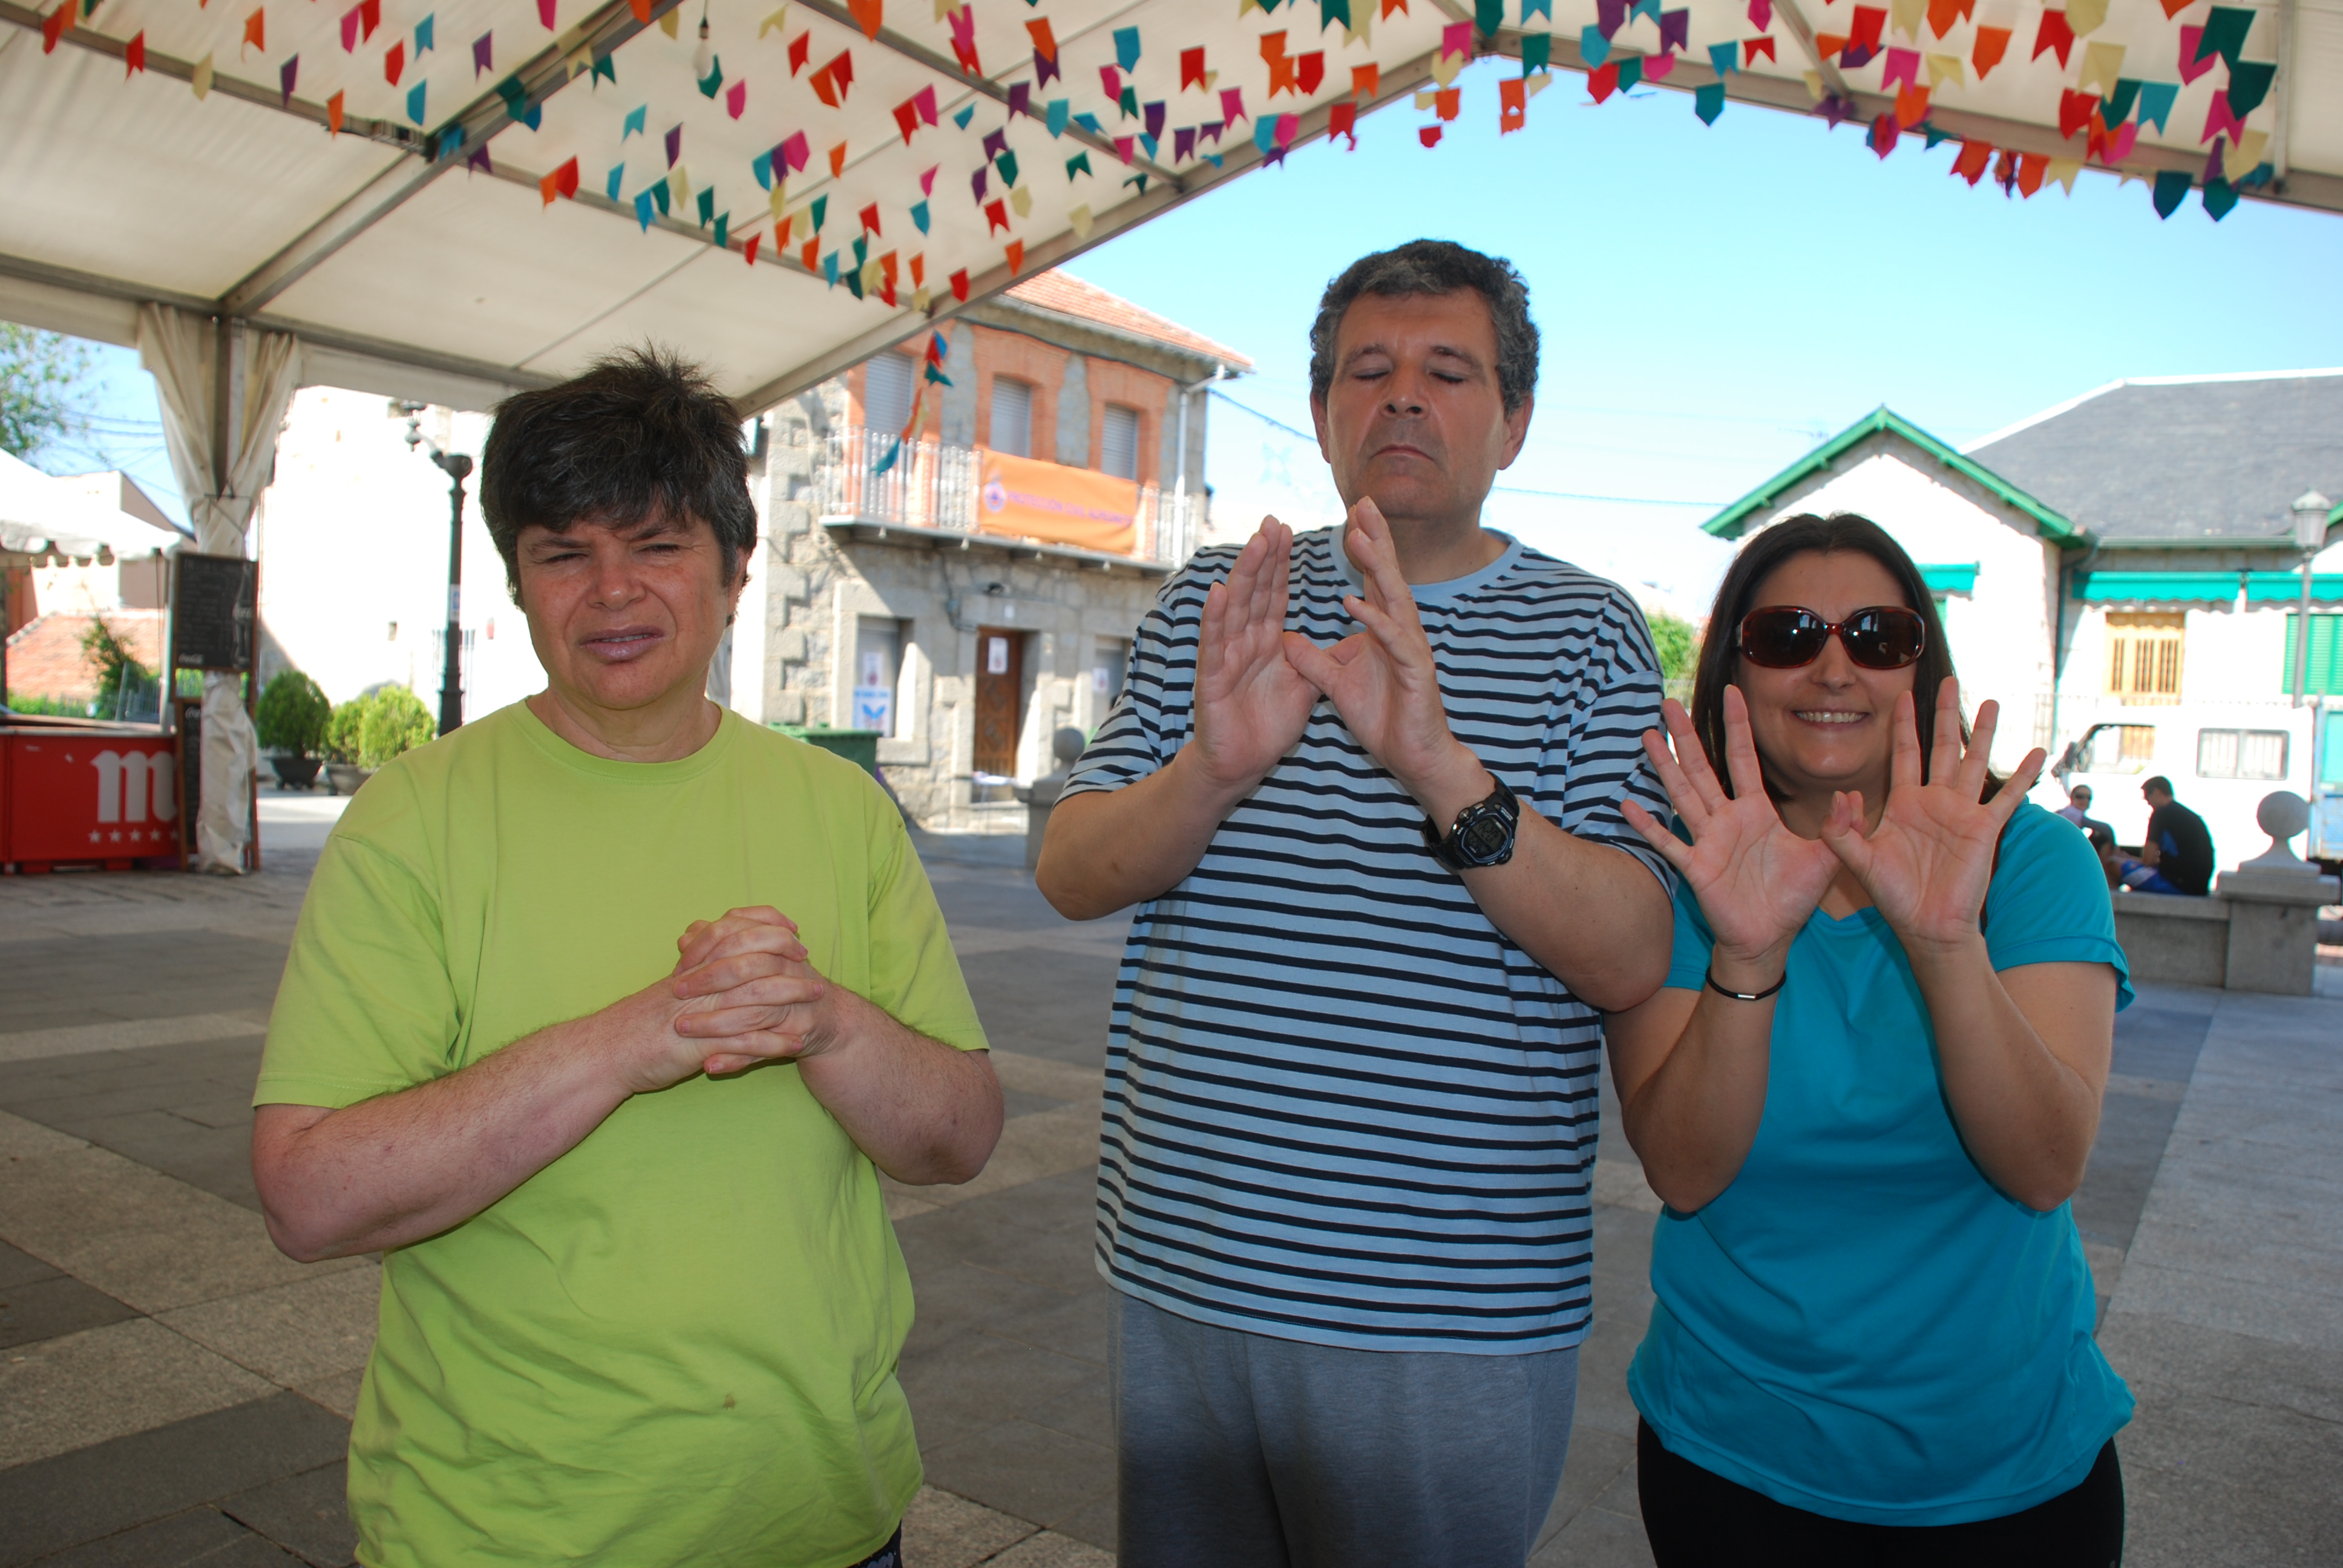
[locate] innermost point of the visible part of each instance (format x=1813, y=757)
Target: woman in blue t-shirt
x=1866, y=1093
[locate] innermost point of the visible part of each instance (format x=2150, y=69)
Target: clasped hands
x=1925, y=864
x=1256, y=682
x=743, y=990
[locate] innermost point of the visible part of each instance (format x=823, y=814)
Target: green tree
x=40, y=376
x=122, y=678
x=1677, y=643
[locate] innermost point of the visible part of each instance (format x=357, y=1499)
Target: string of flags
x=1910, y=42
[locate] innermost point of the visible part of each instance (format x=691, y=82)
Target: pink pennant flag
x=2191, y=67
x=1761, y=15
x=1233, y=107
x=1456, y=38
x=2218, y=121
x=736, y=97
x=545, y=13
x=1903, y=66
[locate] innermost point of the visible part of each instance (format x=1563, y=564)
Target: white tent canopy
x=452, y=277
x=44, y=515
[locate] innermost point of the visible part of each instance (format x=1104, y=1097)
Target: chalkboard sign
x=213, y=611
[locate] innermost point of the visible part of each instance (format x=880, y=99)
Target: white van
x=2221, y=758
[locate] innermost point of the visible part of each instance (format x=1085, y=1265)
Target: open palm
x=1251, y=705
x=1927, y=864
x=1757, y=882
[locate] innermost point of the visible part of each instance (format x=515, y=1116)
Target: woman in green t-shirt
x=1866, y=1092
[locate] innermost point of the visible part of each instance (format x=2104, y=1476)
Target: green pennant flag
x=1537, y=50
x=606, y=69
x=2220, y=195
x=1139, y=180
x=714, y=80
x=1631, y=71
x=2171, y=190
x=819, y=209
x=1708, y=102
x=1332, y=11
x=1928, y=129
x=1488, y=16
x=723, y=227
x=853, y=277
x=707, y=206
x=2249, y=84
x=1007, y=164
x=1078, y=164
x=2117, y=108
x=1129, y=104
x=861, y=250
x=2225, y=33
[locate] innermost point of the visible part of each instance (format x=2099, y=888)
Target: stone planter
x=344, y=777
x=296, y=772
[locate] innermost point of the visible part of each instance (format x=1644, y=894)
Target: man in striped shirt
x=1363, y=785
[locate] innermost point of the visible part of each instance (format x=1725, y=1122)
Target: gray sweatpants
x=1237, y=1451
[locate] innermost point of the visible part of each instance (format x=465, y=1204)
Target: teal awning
x=1961, y=578
x=2265, y=587
x=2215, y=587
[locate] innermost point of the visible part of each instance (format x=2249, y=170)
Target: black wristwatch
x=1483, y=834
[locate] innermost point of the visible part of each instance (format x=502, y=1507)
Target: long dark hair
x=1736, y=596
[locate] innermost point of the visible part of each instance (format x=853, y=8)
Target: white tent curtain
x=182, y=351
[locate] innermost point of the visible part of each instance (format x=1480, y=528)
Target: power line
x=1503, y=490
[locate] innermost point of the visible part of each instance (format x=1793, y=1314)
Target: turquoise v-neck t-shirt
x=1861, y=1325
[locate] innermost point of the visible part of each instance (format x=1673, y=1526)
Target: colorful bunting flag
x=867, y=15
x=1708, y=100
x=1233, y=107
x=332, y=105
x=423, y=41
x=1753, y=47
x=1943, y=13
x=1986, y=52
x=1970, y=165
x=2172, y=187
x=255, y=27
x=1594, y=47
x=800, y=51
x=561, y=182
x=1761, y=15
x=2053, y=34
x=617, y=178
x=393, y=63
x=2194, y=61
x=415, y=100
x=736, y=98
x=2249, y=84
x=2155, y=101
x=2224, y=34
x=483, y=53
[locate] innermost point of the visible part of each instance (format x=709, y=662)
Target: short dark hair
x=1434, y=266
x=2156, y=782
x=1802, y=534
x=642, y=431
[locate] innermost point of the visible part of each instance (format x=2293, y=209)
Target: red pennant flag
x=334, y=115
x=811, y=255
x=823, y=88
x=1342, y=120
x=1310, y=70
x=866, y=15
x=1391, y=5
x=562, y=181
x=53, y=25
x=1753, y=47
x=369, y=18
x=2030, y=169
x=1943, y=13
x=749, y=251
x=2054, y=34
x=1602, y=81
x=800, y=46
x=134, y=59
x=907, y=118
x=870, y=217
x=1192, y=67
x=1366, y=80
x=959, y=286
x=996, y=214
x=393, y=63
x=1868, y=22
x=781, y=233
x=1970, y=164
x=2074, y=111
x=918, y=277
x=643, y=10
x=1016, y=251
x=545, y=13
x=838, y=160
x=1513, y=104
x=1828, y=45
x=841, y=71
x=2005, y=169
x=1447, y=103
x=1428, y=135
x=1125, y=146
x=1911, y=107
x=1885, y=134
x=1110, y=82
x=256, y=30
x=1045, y=42
x=2174, y=7
x=1990, y=44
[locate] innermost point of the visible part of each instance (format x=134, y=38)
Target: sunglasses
x=1783, y=636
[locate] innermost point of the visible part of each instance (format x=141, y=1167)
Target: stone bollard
x=1041, y=795
x=2274, y=901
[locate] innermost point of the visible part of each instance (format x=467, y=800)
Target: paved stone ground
x=173, y=1390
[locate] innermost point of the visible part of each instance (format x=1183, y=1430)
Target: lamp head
x=2310, y=512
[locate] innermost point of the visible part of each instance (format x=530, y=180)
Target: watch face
x=1483, y=839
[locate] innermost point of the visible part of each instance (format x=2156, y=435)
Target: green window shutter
x=2325, y=672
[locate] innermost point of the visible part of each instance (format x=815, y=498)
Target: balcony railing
x=933, y=485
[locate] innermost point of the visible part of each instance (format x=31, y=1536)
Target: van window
x=2121, y=748
x=2241, y=753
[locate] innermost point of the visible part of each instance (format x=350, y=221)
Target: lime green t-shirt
x=676, y=1343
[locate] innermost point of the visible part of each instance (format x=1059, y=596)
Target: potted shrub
x=343, y=774
x=396, y=721
x=292, y=716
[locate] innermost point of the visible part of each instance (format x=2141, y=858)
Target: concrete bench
x=2257, y=931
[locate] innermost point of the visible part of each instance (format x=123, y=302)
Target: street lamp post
x=458, y=466
x=2310, y=510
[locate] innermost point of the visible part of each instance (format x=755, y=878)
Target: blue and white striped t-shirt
x=1341, y=1106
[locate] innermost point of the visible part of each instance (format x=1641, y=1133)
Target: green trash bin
x=860, y=747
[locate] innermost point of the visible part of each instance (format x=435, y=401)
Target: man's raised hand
x=1251, y=705
x=1757, y=881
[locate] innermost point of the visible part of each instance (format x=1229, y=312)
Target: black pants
x=1696, y=1518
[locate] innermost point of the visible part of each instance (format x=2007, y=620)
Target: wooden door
x=999, y=691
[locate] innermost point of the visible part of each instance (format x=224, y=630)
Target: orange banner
x=1058, y=505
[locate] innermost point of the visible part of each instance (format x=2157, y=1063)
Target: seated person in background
x=2179, y=852
x=1865, y=1094
x=641, y=1300
x=2077, y=810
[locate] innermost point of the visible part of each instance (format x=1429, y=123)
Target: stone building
x=977, y=592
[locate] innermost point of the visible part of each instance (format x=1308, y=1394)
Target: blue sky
x=1714, y=300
